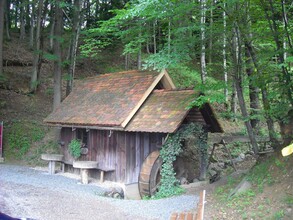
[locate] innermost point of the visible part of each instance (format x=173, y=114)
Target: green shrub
x=75, y=148
x=21, y=135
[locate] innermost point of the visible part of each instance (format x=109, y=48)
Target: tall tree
x=22, y=19
x=57, y=53
x=1, y=34
x=7, y=19
x=76, y=26
x=32, y=24
x=237, y=62
x=203, y=41
x=37, y=49
x=225, y=55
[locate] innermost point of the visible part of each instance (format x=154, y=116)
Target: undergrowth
x=19, y=136
x=260, y=176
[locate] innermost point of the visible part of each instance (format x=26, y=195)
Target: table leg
x=51, y=167
x=84, y=173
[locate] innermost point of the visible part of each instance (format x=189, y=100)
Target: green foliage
x=236, y=148
x=279, y=215
x=212, y=92
x=259, y=175
x=170, y=150
x=184, y=77
x=34, y=156
x=21, y=135
x=75, y=148
x=288, y=200
x=3, y=78
x=50, y=56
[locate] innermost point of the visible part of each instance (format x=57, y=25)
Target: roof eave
x=60, y=125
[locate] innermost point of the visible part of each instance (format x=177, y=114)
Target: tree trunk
x=1, y=34
x=253, y=91
x=88, y=13
x=32, y=25
x=286, y=129
x=127, y=61
x=202, y=35
x=74, y=44
x=237, y=61
x=225, y=57
x=269, y=120
x=265, y=101
x=16, y=14
x=211, y=33
x=169, y=37
x=52, y=33
x=154, y=37
x=22, y=21
x=277, y=34
x=27, y=15
x=139, y=64
x=37, y=46
x=57, y=53
x=7, y=20
x=233, y=100
x=286, y=24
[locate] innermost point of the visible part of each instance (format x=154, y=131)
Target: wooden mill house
x=121, y=118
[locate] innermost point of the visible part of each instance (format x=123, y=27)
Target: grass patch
x=260, y=175
x=279, y=215
x=19, y=136
x=34, y=155
x=288, y=200
x=244, y=204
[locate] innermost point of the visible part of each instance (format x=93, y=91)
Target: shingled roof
x=163, y=111
x=108, y=99
x=138, y=101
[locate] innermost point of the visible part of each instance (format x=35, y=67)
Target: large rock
x=243, y=186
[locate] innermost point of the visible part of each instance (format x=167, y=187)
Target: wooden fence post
x=200, y=207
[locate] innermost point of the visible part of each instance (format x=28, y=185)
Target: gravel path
x=27, y=192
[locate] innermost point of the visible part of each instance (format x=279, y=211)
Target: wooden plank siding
x=124, y=151
x=194, y=116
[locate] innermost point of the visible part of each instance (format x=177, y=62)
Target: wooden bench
x=198, y=215
x=104, y=169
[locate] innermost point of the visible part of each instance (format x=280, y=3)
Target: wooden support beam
x=200, y=207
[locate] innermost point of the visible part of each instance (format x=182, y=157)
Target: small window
x=82, y=134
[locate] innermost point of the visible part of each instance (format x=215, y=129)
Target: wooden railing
x=196, y=215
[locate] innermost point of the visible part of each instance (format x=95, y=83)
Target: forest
x=238, y=53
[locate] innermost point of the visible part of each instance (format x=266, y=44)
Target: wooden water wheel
x=150, y=177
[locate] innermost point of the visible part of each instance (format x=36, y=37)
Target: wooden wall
x=124, y=151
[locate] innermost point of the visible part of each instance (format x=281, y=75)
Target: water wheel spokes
x=150, y=174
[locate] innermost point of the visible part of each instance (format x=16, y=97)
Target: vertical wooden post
x=1, y=139
x=200, y=207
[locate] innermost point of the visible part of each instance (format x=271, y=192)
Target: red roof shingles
x=104, y=100
x=163, y=111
